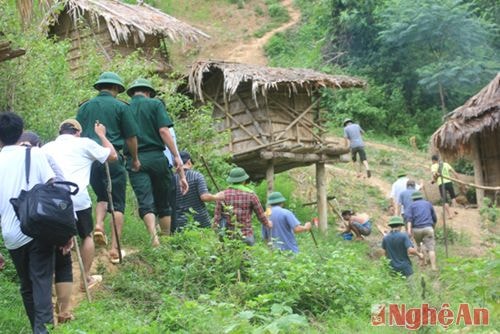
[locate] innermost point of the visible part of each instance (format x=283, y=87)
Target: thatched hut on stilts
x=117, y=27
x=273, y=116
x=473, y=130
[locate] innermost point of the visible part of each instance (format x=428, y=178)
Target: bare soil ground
x=252, y=51
x=466, y=225
x=232, y=32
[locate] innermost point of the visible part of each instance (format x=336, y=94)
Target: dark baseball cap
x=30, y=137
x=185, y=157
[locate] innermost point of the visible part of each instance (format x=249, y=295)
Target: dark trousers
x=34, y=264
x=152, y=184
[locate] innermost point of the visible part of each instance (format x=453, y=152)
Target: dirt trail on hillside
x=467, y=222
x=253, y=51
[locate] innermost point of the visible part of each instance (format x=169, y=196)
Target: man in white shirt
x=75, y=155
x=397, y=188
x=34, y=261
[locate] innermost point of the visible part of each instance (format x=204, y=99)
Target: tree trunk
x=441, y=96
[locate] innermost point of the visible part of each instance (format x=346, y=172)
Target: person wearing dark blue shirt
x=421, y=219
x=398, y=246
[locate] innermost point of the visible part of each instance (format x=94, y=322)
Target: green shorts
x=99, y=182
x=152, y=184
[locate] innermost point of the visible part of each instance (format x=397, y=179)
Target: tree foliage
x=420, y=57
x=443, y=43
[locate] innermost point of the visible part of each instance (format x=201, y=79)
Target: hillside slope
x=234, y=39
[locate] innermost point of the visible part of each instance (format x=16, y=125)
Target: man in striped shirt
x=194, y=200
x=239, y=203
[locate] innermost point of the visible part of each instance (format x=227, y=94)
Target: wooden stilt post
x=478, y=169
x=321, y=196
x=270, y=176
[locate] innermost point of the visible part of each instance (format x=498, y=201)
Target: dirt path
x=252, y=52
x=467, y=236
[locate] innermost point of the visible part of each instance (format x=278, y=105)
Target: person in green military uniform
x=121, y=130
x=153, y=182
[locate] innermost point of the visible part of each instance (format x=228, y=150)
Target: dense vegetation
x=194, y=283
x=421, y=58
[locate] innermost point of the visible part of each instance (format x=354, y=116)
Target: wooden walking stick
x=209, y=172
x=314, y=238
x=111, y=206
x=82, y=269
x=223, y=220
x=109, y=189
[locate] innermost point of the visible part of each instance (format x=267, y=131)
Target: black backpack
x=46, y=210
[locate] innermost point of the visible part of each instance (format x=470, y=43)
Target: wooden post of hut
x=478, y=169
x=321, y=196
x=270, y=176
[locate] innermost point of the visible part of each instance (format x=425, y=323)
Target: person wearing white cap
x=75, y=156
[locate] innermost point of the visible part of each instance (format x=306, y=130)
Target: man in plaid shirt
x=239, y=203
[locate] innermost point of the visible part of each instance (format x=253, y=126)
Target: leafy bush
x=489, y=212
x=277, y=12
x=473, y=280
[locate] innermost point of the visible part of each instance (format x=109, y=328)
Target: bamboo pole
x=255, y=148
x=297, y=119
x=295, y=114
x=254, y=121
x=321, y=196
x=226, y=110
x=469, y=184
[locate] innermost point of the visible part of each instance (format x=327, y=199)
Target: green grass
x=193, y=283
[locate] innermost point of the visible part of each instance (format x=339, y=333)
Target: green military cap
x=237, y=175
x=275, y=198
x=110, y=78
x=417, y=195
x=141, y=83
x=395, y=221
x=347, y=120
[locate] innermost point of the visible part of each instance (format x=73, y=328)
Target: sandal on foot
x=114, y=257
x=92, y=282
x=100, y=238
x=65, y=317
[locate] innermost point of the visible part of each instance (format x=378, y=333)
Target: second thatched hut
x=473, y=130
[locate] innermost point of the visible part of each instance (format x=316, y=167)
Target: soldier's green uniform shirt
x=112, y=113
x=150, y=115
x=152, y=183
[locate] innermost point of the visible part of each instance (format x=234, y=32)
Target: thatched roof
x=127, y=22
x=480, y=113
x=265, y=78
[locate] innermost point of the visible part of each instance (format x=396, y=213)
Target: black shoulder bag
x=46, y=210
